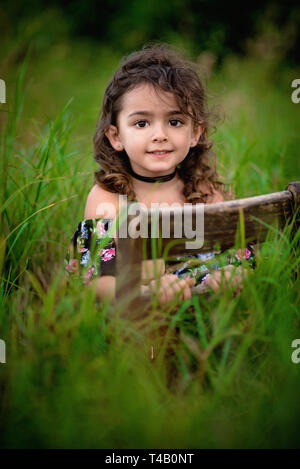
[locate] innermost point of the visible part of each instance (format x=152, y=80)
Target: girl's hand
x=170, y=286
x=216, y=279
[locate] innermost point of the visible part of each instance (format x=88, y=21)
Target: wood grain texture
x=222, y=222
x=294, y=188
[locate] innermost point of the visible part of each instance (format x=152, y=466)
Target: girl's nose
x=160, y=134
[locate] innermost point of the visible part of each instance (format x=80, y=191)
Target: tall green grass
x=77, y=372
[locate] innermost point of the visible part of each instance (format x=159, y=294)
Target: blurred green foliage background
x=221, y=27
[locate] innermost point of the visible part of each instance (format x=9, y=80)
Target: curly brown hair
x=166, y=68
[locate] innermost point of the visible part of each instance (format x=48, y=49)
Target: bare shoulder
x=101, y=203
x=214, y=194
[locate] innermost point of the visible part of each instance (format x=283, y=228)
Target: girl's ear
x=198, y=130
x=113, y=136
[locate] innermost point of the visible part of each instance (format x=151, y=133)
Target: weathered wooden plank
x=129, y=258
x=294, y=189
x=221, y=221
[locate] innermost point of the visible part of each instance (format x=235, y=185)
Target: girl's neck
x=168, y=191
x=152, y=179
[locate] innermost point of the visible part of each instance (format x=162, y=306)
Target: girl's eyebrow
x=147, y=113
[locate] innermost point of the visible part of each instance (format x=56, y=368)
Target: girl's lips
x=159, y=154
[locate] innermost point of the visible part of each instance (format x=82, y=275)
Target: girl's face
x=151, y=129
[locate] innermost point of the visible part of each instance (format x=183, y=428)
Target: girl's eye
x=141, y=124
x=175, y=122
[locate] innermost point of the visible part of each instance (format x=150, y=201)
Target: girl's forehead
x=147, y=96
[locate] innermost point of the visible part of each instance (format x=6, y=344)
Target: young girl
x=152, y=145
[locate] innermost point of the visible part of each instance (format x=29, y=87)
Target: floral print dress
x=92, y=253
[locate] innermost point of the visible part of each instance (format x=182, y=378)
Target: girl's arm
x=101, y=203
x=91, y=257
x=105, y=287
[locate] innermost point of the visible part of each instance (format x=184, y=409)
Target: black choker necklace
x=165, y=178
